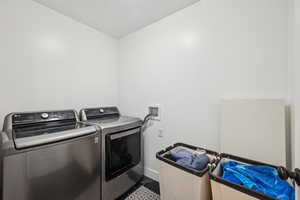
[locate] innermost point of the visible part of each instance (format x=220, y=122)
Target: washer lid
x=45, y=129
x=28, y=129
x=121, y=121
x=32, y=141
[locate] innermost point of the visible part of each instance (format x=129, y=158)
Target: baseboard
x=151, y=173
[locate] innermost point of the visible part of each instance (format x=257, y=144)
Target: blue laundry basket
x=223, y=189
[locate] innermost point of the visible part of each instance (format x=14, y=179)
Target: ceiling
x=117, y=17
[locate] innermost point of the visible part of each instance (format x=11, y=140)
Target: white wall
x=294, y=75
x=297, y=86
x=49, y=61
x=188, y=61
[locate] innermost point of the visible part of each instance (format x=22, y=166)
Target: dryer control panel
x=101, y=112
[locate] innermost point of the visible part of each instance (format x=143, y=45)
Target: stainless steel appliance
x=50, y=156
x=122, y=149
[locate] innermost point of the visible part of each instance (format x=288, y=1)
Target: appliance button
x=44, y=115
x=101, y=110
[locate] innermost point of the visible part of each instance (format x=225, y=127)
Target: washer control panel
x=29, y=118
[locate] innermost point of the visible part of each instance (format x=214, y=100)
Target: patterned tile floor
x=143, y=193
x=150, y=188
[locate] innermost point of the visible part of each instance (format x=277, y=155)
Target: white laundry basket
x=225, y=190
x=181, y=183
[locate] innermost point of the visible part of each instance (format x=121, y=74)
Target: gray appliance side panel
x=14, y=177
x=68, y=171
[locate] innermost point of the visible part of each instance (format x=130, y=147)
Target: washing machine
x=50, y=155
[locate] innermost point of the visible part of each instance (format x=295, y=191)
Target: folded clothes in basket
x=190, y=160
x=262, y=179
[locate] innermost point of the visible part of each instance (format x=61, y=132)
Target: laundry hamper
x=223, y=189
x=182, y=183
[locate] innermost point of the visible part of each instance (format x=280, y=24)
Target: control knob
x=44, y=115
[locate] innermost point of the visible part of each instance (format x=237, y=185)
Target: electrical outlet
x=154, y=110
x=160, y=133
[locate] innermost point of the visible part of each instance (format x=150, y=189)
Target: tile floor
x=143, y=193
x=148, y=183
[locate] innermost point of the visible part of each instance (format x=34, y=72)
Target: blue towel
x=263, y=179
x=188, y=159
x=186, y=162
x=200, y=161
x=179, y=153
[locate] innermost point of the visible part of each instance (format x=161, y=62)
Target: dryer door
x=123, y=151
